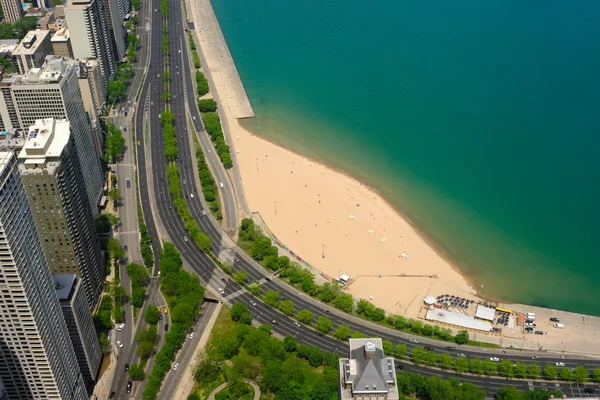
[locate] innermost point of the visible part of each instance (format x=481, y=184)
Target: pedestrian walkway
x=223, y=385
x=187, y=380
x=102, y=388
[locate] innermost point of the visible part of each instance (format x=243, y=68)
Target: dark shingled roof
x=370, y=371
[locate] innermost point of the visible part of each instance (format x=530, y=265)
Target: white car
x=120, y=327
x=119, y=343
x=461, y=355
x=175, y=366
x=192, y=335
x=494, y=359
x=297, y=323
x=414, y=341
x=185, y=238
x=253, y=303
x=221, y=291
x=560, y=364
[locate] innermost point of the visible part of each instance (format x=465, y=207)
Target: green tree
x=114, y=249
x=342, y=332
x=324, y=324
x=533, y=370
x=461, y=365
x=490, y=367
x=290, y=344
x=115, y=195
x=445, y=360
x=431, y=358
x=580, y=374
x=550, y=372
x=476, y=366
x=506, y=368
x=240, y=276
x=207, y=105
x=462, y=337
x=104, y=343
x=305, y=316
x=388, y=347
x=520, y=370
x=509, y=393
x=344, y=302
x=565, y=374
x=417, y=355
x=596, y=374
x=358, y=335
x=287, y=307
x=151, y=315
x=115, y=92
x=255, y=288
x=272, y=298
x=400, y=350
x=136, y=372
x=238, y=310
x=137, y=296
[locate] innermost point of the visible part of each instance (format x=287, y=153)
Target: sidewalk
x=187, y=380
x=102, y=388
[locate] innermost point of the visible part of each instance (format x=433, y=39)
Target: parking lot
x=569, y=389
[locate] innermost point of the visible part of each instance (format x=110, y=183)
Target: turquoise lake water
x=480, y=120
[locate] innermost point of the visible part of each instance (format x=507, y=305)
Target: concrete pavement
x=178, y=384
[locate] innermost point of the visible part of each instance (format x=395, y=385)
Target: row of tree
x=209, y=187
x=184, y=295
x=201, y=83
x=114, y=144
x=167, y=119
x=139, y=277
x=195, y=57
x=212, y=123
x=285, y=369
x=261, y=249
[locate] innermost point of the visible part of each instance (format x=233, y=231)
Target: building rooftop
x=8, y=45
x=12, y=140
x=62, y=35
x=53, y=70
x=367, y=372
x=64, y=284
x=45, y=140
x=30, y=42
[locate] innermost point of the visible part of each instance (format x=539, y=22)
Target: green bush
x=212, y=124
x=207, y=105
x=201, y=84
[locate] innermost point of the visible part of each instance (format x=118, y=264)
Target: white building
x=37, y=357
x=32, y=51
x=90, y=34
x=53, y=92
x=51, y=172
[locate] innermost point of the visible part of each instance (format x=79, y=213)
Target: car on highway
x=253, y=303
x=589, y=390
x=166, y=310
x=414, y=341
x=274, y=321
x=224, y=280
x=192, y=335
x=429, y=348
x=399, y=367
x=560, y=364
x=129, y=385
x=166, y=327
x=185, y=238
x=297, y=323
x=203, y=212
x=175, y=366
x=461, y=355
x=159, y=309
x=450, y=347
x=112, y=395
x=221, y=291
x=120, y=327
x=119, y=343
x=125, y=247
x=494, y=359
x=126, y=367
x=179, y=115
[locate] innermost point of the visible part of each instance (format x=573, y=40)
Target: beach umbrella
x=429, y=300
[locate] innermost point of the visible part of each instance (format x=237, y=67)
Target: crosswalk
x=126, y=233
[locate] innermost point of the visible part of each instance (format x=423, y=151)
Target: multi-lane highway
x=156, y=185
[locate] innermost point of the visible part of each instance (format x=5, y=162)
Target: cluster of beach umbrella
x=451, y=300
x=503, y=319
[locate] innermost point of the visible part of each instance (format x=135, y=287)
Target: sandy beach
x=337, y=224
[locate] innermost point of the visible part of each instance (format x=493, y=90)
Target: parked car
x=192, y=335
x=554, y=319
x=539, y=332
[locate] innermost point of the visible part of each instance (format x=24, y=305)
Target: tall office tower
x=32, y=51
x=61, y=43
x=9, y=119
x=115, y=27
x=3, y=395
x=36, y=354
x=13, y=10
x=51, y=172
x=92, y=87
x=90, y=36
x=53, y=92
x=80, y=325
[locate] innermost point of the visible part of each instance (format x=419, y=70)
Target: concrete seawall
x=217, y=60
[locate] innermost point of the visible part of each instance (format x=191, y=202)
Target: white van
x=530, y=316
x=221, y=183
x=559, y=326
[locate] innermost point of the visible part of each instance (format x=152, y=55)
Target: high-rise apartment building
x=115, y=27
x=36, y=355
x=13, y=10
x=92, y=87
x=51, y=172
x=80, y=325
x=53, y=92
x=61, y=43
x=3, y=395
x=9, y=119
x=33, y=50
x=90, y=34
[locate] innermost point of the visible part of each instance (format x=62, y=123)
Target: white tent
x=429, y=300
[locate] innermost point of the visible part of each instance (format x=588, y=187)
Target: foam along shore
x=330, y=220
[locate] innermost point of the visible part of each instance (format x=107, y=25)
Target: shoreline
x=434, y=246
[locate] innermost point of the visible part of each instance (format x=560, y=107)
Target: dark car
x=554, y=319
x=126, y=367
x=112, y=395
x=589, y=390
x=399, y=367
x=267, y=279
x=166, y=327
x=450, y=347
x=224, y=280
x=539, y=332
x=275, y=322
x=129, y=384
x=327, y=312
x=429, y=348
